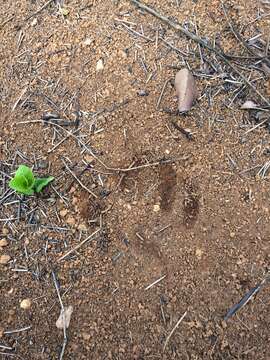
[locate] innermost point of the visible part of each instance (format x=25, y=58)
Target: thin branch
x=39, y=10
x=79, y=245
x=173, y=330
x=79, y=181
x=63, y=314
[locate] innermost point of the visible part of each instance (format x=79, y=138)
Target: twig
x=155, y=282
x=63, y=315
x=6, y=21
x=162, y=93
x=137, y=33
x=39, y=10
x=245, y=299
x=256, y=126
x=19, y=99
x=79, y=245
x=78, y=180
x=173, y=330
x=17, y=330
x=197, y=39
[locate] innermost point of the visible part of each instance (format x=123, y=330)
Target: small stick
x=6, y=347
x=79, y=245
x=245, y=299
x=17, y=330
x=155, y=282
x=173, y=330
x=39, y=10
x=19, y=99
x=6, y=21
x=137, y=33
x=256, y=126
x=63, y=314
x=162, y=93
x=79, y=181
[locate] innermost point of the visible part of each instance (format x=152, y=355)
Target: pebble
x=25, y=304
x=199, y=253
x=82, y=227
x=89, y=158
x=63, y=212
x=5, y=231
x=34, y=22
x=143, y=93
x=3, y=243
x=88, y=41
x=4, y=259
x=86, y=336
x=156, y=208
x=70, y=221
x=43, y=164
x=100, y=65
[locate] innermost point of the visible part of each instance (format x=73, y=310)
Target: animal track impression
x=167, y=176
x=191, y=204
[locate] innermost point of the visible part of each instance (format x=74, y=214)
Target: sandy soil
x=200, y=222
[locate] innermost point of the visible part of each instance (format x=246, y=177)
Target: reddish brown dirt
x=200, y=220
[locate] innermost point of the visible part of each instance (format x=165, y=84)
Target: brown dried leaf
x=185, y=89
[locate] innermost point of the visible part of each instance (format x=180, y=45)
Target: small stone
x=156, y=208
x=232, y=235
x=143, y=93
x=199, y=253
x=86, y=336
x=4, y=259
x=71, y=221
x=88, y=41
x=82, y=227
x=63, y=212
x=100, y=65
x=34, y=22
x=3, y=243
x=64, y=11
x=43, y=164
x=25, y=304
x=5, y=231
x=89, y=158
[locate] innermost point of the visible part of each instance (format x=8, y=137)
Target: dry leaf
x=185, y=89
x=249, y=105
x=64, y=318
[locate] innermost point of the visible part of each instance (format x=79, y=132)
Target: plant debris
x=185, y=89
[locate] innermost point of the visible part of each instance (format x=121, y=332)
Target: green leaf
x=20, y=184
x=40, y=183
x=27, y=173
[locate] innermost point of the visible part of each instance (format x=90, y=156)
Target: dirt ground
x=198, y=223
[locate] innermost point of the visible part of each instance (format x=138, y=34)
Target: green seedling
x=24, y=181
